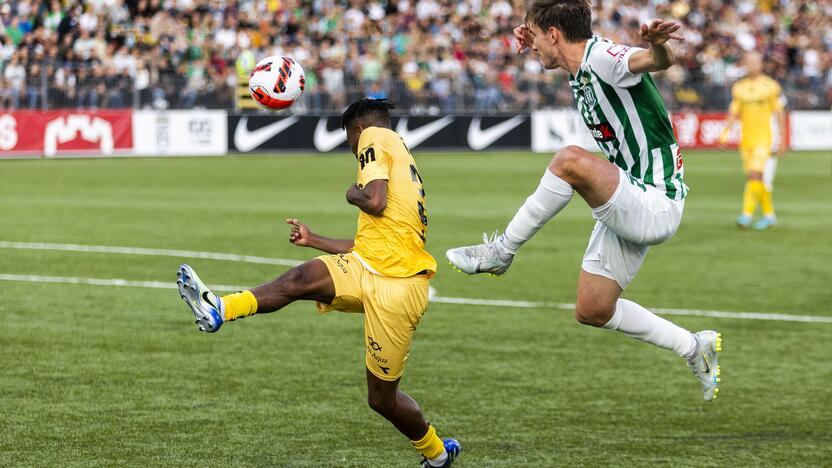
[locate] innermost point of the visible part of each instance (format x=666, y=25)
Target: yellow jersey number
x=423, y=216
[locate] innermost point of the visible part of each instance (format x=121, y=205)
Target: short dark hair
x=376, y=110
x=573, y=18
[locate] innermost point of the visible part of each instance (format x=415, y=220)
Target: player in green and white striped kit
x=637, y=194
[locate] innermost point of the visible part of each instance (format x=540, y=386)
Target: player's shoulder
x=373, y=134
x=604, y=51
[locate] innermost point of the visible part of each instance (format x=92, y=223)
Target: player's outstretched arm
x=659, y=56
x=301, y=236
x=371, y=199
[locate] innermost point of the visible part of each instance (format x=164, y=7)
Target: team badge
x=589, y=96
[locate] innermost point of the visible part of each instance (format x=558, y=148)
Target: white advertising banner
x=554, y=129
x=180, y=133
x=811, y=130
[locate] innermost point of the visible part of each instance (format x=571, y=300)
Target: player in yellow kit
x=382, y=273
x=755, y=99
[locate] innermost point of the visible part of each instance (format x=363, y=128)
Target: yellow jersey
x=754, y=100
x=392, y=244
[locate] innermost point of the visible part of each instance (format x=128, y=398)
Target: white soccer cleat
x=482, y=258
x=206, y=306
x=705, y=363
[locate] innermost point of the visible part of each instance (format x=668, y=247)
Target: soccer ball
x=276, y=82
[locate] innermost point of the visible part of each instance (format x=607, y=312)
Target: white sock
x=440, y=460
x=551, y=196
x=637, y=322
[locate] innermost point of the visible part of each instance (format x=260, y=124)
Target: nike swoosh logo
x=415, y=137
x=208, y=299
x=326, y=140
x=246, y=140
x=480, y=139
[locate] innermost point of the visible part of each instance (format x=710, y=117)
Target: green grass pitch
x=119, y=376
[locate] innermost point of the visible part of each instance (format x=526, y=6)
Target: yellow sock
x=749, y=198
x=765, y=202
x=239, y=305
x=430, y=445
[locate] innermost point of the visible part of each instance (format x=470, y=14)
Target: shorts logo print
x=374, y=345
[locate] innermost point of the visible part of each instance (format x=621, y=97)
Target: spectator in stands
x=427, y=53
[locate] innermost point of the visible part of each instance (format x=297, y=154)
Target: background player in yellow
x=755, y=99
x=382, y=273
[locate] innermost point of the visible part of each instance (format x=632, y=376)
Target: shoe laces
x=485, y=249
x=490, y=242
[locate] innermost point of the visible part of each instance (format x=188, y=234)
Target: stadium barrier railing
x=48, y=87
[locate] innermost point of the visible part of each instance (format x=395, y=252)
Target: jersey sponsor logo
x=91, y=129
x=602, y=132
x=415, y=137
x=480, y=139
x=246, y=140
x=618, y=51
x=325, y=139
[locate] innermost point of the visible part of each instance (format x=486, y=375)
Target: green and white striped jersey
x=626, y=116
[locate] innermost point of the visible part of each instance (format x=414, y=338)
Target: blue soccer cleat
x=452, y=447
x=765, y=223
x=206, y=306
x=744, y=221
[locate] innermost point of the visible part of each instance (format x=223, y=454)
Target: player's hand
x=659, y=31
x=522, y=39
x=353, y=193
x=300, y=234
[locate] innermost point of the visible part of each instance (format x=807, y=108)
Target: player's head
x=362, y=114
x=753, y=63
x=554, y=23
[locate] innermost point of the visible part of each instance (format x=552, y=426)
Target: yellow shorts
x=754, y=158
x=392, y=308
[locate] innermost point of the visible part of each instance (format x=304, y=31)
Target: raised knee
x=596, y=315
x=381, y=403
x=292, y=283
x=567, y=161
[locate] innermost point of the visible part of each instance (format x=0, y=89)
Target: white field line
x=107, y=282
x=142, y=251
x=434, y=298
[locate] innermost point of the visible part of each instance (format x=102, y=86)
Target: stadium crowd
x=427, y=55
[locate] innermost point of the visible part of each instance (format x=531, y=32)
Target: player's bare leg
x=385, y=398
x=309, y=281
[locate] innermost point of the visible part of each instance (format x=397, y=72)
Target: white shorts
x=637, y=216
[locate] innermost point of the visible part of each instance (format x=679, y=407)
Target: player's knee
x=292, y=283
x=381, y=402
x=593, y=313
x=568, y=162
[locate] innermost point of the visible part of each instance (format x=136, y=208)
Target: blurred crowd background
x=428, y=56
